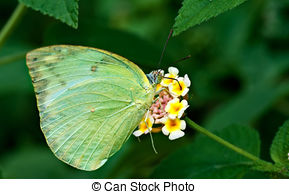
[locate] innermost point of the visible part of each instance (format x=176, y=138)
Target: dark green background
x=239, y=71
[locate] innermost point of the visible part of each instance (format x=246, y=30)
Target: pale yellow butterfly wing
x=89, y=101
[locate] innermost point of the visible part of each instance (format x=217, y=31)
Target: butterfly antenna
x=175, y=80
x=182, y=59
x=165, y=46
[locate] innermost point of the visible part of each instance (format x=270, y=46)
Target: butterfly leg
x=150, y=129
x=162, y=89
x=159, y=99
x=162, y=108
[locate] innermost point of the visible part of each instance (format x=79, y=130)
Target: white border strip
x=198, y=186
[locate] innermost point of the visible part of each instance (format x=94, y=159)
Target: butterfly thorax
x=155, y=77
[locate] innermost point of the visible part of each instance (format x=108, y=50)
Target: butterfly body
x=89, y=101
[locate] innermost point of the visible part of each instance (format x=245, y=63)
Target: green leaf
x=64, y=10
x=205, y=158
x=280, y=146
x=194, y=12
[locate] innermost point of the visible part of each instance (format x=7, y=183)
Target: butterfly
x=89, y=101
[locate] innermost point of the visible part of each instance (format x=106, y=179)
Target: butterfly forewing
x=89, y=101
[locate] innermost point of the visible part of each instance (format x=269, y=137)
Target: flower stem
x=11, y=23
x=260, y=164
x=222, y=141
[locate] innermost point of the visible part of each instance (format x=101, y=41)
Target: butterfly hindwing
x=89, y=101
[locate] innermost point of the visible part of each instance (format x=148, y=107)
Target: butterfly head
x=155, y=77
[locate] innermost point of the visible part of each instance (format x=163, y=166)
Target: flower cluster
x=168, y=108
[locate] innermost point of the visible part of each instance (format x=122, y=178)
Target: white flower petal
x=137, y=133
x=171, y=91
x=175, y=100
x=174, y=94
x=170, y=87
x=167, y=75
x=185, y=103
x=165, y=131
x=176, y=134
x=151, y=119
x=181, y=112
x=146, y=131
x=172, y=116
x=183, y=124
x=168, y=106
x=180, y=79
x=163, y=120
x=173, y=71
x=187, y=80
x=185, y=91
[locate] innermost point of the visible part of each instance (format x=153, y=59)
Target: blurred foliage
x=208, y=158
x=239, y=71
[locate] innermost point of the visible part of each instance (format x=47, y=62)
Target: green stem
x=11, y=23
x=260, y=165
x=12, y=58
x=222, y=141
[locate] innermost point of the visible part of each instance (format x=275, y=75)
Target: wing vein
x=56, y=150
x=100, y=143
x=68, y=120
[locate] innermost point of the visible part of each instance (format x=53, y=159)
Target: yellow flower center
x=143, y=127
x=175, y=108
x=178, y=87
x=159, y=86
x=167, y=81
x=173, y=124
